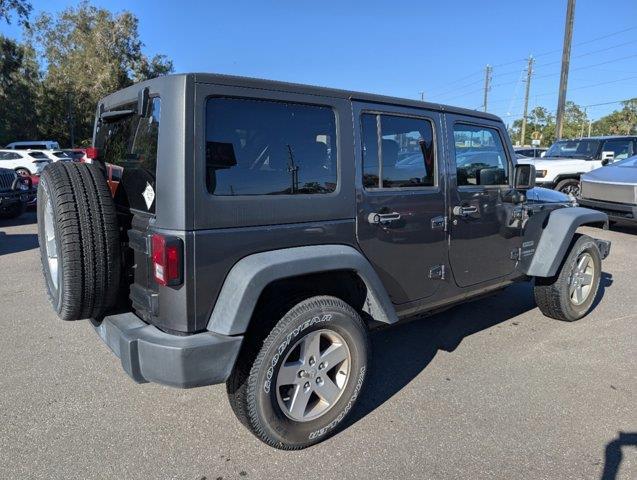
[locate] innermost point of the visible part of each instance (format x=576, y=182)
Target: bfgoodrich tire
x=298, y=387
x=570, y=294
x=79, y=240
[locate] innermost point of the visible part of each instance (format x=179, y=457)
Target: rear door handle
x=460, y=211
x=382, y=218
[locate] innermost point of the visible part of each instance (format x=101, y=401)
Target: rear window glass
x=129, y=146
x=37, y=155
x=256, y=147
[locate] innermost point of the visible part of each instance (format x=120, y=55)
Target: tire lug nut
x=312, y=361
x=307, y=385
x=321, y=366
x=301, y=373
x=319, y=381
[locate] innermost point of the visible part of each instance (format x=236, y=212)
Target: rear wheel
x=298, y=387
x=570, y=294
x=79, y=240
x=570, y=186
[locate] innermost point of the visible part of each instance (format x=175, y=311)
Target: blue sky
x=400, y=47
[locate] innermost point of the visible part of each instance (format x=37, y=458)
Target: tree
x=22, y=9
x=619, y=122
x=19, y=91
x=88, y=53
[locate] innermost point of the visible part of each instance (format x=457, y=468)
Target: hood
x=546, y=195
x=612, y=174
x=547, y=162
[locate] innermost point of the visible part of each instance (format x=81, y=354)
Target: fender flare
x=250, y=275
x=556, y=238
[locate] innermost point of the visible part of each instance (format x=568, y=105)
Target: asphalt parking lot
x=490, y=389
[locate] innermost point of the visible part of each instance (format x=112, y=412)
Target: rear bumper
x=615, y=211
x=150, y=355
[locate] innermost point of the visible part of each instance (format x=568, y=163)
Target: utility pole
x=529, y=72
x=590, y=124
x=566, y=58
x=487, y=85
x=581, y=135
x=422, y=96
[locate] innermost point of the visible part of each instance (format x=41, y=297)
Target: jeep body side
x=264, y=226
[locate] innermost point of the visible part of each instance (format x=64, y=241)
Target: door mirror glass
x=524, y=177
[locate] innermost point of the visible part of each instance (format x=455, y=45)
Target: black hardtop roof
x=237, y=81
x=331, y=92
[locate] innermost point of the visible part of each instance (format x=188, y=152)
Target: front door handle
x=460, y=211
x=383, y=218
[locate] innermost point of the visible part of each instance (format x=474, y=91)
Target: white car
x=566, y=160
x=54, y=155
x=34, y=145
x=24, y=162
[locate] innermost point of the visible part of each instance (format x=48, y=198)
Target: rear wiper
x=114, y=115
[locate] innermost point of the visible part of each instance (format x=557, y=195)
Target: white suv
x=24, y=163
x=566, y=160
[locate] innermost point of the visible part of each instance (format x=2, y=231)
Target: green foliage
x=22, y=9
x=19, y=91
x=620, y=122
x=85, y=53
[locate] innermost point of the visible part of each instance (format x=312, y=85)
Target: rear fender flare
x=249, y=276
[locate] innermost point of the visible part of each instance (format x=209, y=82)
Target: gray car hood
x=613, y=174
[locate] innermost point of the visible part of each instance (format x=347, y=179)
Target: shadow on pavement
x=27, y=218
x=18, y=242
x=613, y=454
x=630, y=228
x=401, y=352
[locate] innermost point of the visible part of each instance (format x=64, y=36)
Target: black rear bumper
x=150, y=355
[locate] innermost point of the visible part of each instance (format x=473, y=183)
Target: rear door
x=485, y=234
x=400, y=197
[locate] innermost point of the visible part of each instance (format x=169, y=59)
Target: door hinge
x=440, y=222
x=437, y=272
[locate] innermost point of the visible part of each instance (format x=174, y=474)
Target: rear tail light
x=92, y=153
x=167, y=259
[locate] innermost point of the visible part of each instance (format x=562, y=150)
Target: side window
x=404, y=157
x=257, y=147
x=480, y=156
x=621, y=148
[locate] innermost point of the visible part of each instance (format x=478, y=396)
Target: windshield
x=584, y=148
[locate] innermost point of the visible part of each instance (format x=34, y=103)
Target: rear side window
x=37, y=155
x=622, y=148
x=398, y=152
x=480, y=156
x=256, y=147
x=130, y=145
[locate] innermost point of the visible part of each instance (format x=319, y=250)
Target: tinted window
x=37, y=155
x=574, y=149
x=526, y=153
x=29, y=146
x=406, y=152
x=131, y=144
x=480, y=156
x=620, y=147
x=256, y=147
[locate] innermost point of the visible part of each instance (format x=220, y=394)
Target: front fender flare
x=556, y=237
x=250, y=275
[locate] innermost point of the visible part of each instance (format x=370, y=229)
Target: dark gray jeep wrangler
x=251, y=232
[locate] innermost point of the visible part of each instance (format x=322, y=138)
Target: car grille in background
x=609, y=192
x=6, y=180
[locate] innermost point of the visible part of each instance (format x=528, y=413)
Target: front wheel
x=570, y=294
x=305, y=378
x=570, y=186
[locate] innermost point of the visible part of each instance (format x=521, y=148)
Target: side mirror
x=524, y=176
x=608, y=157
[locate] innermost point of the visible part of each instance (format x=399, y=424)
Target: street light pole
x=487, y=86
x=566, y=57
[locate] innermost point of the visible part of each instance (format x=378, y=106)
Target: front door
x=484, y=233
x=400, y=198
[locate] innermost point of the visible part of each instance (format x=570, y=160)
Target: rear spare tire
x=79, y=240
